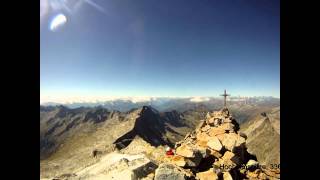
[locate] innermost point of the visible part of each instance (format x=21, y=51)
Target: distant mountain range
x=167, y=104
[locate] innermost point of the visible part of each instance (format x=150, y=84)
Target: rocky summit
x=214, y=150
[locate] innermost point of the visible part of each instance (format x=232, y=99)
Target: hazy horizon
x=97, y=99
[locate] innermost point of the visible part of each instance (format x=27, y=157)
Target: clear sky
x=161, y=48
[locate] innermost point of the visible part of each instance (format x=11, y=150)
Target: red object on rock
x=170, y=152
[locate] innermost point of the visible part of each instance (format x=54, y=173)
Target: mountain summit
x=214, y=150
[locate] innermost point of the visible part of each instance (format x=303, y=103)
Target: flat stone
x=214, y=143
x=185, y=151
x=207, y=175
x=231, y=140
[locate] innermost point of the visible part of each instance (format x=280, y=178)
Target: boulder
x=227, y=141
x=231, y=140
x=185, y=151
x=169, y=171
x=207, y=175
x=214, y=143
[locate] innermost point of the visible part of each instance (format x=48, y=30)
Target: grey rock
x=167, y=171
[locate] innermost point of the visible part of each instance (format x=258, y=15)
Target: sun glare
x=58, y=21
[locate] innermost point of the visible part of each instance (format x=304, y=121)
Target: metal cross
x=225, y=97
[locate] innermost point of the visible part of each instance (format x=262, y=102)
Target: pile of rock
x=215, y=150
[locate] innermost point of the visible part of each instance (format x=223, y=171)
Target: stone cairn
x=214, y=150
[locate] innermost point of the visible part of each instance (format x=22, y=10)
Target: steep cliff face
x=153, y=128
x=263, y=133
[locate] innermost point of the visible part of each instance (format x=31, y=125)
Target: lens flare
x=58, y=21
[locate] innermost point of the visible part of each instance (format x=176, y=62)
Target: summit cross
x=225, y=97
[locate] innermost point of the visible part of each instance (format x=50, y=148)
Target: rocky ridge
x=214, y=150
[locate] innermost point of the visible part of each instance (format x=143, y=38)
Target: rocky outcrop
x=214, y=150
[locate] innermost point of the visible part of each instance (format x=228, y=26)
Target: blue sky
x=163, y=48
